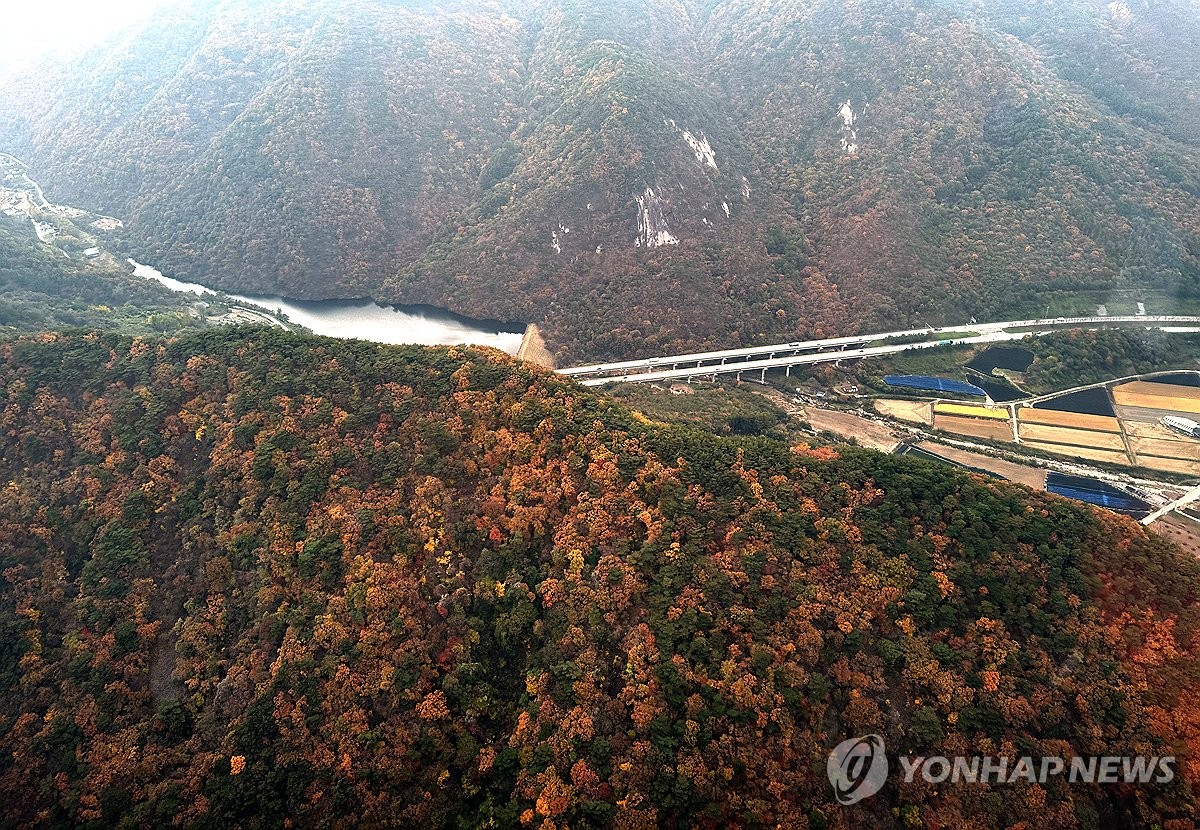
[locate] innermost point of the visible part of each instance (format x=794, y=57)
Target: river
x=367, y=320
x=350, y=319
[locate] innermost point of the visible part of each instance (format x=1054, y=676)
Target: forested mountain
x=644, y=176
x=249, y=575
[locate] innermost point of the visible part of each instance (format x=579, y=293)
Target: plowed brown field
x=1170, y=465
x=1079, y=437
x=1081, y=452
x=975, y=427
x=1141, y=429
x=1075, y=420
x=1166, y=449
x=915, y=412
x=1029, y=476
x=1158, y=396
x=867, y=433
x=1180, y=530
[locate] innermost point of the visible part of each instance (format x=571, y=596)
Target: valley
x=600, y=415
x=22, y=196
x=366, y=320
x=66, y=229
x=809, y=173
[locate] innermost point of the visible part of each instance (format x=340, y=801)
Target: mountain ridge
x=646, y=177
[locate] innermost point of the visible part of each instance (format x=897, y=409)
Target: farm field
x=1088, y=453
x=1154, y=430
x=913, y=412
x=1074, y=437
x=1149, y=416
x=1073, y=420
x=1162, y=396
x=975, y=427
x=971, y=411
x=1169, y=465
x=867, y=433
x=1184, y=449
x=1183, y=532
x=1114, y=426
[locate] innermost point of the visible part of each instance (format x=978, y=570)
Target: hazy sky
x=37, y=29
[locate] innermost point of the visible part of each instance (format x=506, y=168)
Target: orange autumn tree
x=248, y=575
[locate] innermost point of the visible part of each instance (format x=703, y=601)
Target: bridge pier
x=835, y=350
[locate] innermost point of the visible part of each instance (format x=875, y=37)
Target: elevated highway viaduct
x=760, y=359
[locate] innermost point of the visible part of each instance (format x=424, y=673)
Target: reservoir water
x=367, y=320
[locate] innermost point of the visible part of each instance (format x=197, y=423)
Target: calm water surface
x=366, y=320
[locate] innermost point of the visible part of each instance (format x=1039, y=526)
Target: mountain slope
x=643, y=177
x=248, y=575
x=41, y=291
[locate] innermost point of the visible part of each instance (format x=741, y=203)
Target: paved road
x=1146, y=411
x=785, y=355
x=17, y=167
x=733, y=354
x=1187, y=498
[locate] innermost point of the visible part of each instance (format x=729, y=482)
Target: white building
x=1184, y=426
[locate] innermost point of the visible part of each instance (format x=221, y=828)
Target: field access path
x=1013, y=406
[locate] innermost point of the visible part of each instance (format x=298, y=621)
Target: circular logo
x=857, y=768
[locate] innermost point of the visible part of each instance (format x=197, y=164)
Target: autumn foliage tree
x=250, y=577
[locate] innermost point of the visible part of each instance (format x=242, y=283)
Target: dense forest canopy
x=259, y=579
x=40, y=290
x=247, y=575
x=645, y=176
